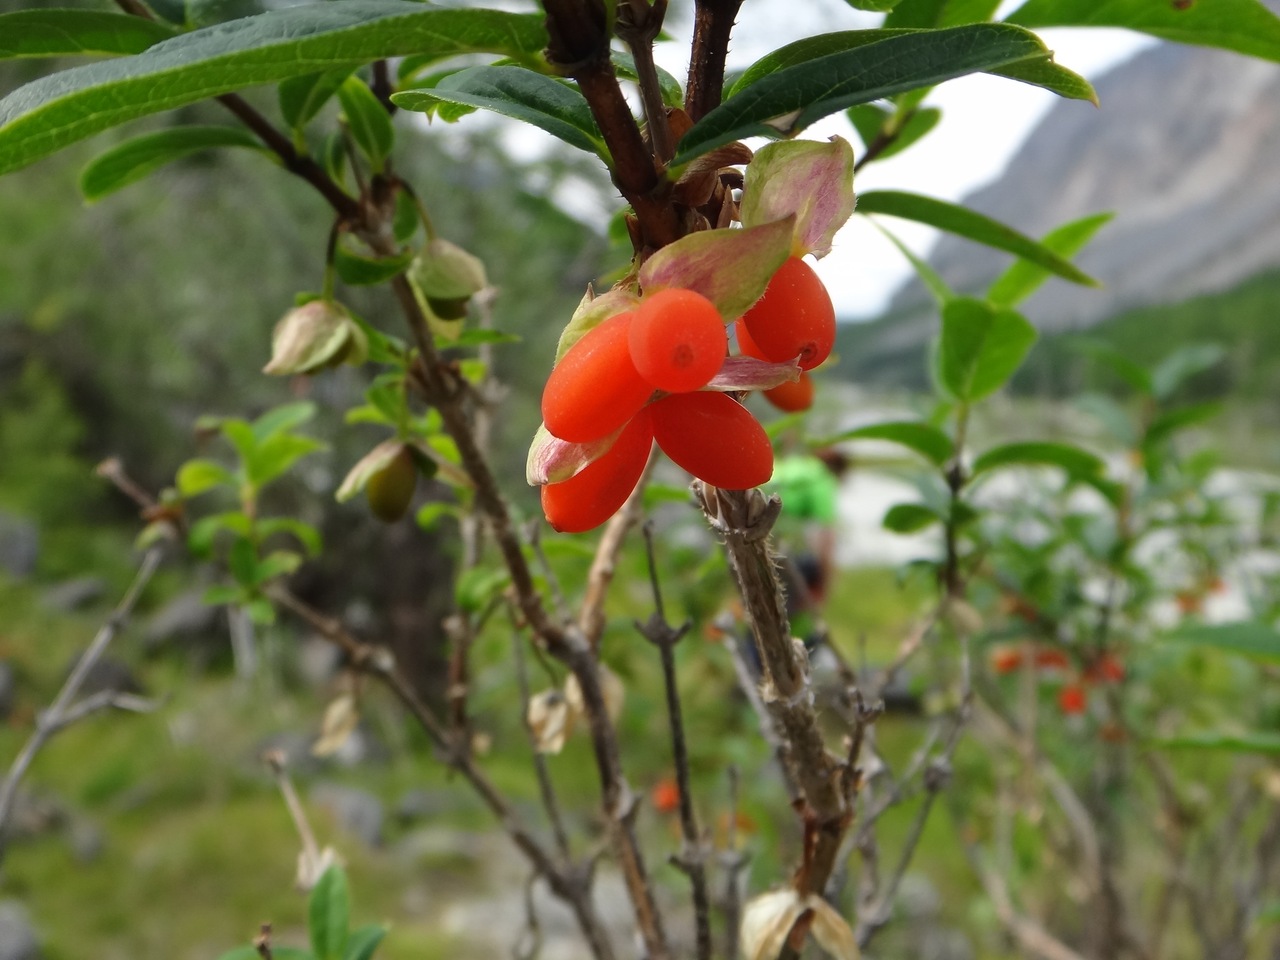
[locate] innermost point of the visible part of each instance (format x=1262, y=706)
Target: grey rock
x=184, y=619
x=356, y=811
x=418, y=804
x=18, y=940
x=19, y=545
x=70, y=595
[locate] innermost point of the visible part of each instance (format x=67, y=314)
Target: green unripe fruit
x=390, y=489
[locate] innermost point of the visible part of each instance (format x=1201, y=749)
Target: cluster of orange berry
x=641, y=374
x=1073, y=697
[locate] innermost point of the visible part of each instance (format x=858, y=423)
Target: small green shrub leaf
x=909, y=518
x=301, y=98
x=368, y=121
x=364, y=942
x=1073, y=460
x=972, y=226
x=923, y=438
x=1250, y=638
x=329, y=911
x=1023, y=277
x=535, y=98
x=980, y=347
x=134, y=159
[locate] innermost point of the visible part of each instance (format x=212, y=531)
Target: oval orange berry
x=713, y=437
x=594, y=494
x=595, y=387
x=794, y=395
x=795, y=318
x=678, y=340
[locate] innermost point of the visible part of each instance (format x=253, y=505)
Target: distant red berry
x=595, y=387
x=795, y=318
x=1052, y=659
x=665, y=795
x=713, y=437
x=678, y=341
x=1108, y=668
x=1072, y=698
x=794, y=395
x=1005, y=660
x=594, y=494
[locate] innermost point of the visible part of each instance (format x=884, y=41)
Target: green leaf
x=198, y=476
x=1250, y=638
x=1250, y=741
x=1184, y=363
x=283, y=418
x=201, y=536
x=362, y=271
x=476, y=337
x=1073, y=460
x=364, y=942
x=368, y=121
x=1131, y=373
x=928, y=276
x=921, y=437
x=301, y=98
x=875, y=6
x=1115, y=418
x=980, y=347
x=1245, y=26
x=275, y=455
x=1023, y=278
x=868, y=119
x=134, y=159
x=1167, y=424
x=478, y=586
x=278, y=563
x=672, y=94
x=69, y=33
x=909, y=518
x=304, y=532
x=911, y=128
x=49, y=113
x=429, y=514
x=329, y=911
x=515, y=92
x=971, y=225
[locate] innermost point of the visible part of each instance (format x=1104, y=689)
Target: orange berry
x=713, y=437
x=594, y=494
x=795, y=318
x=1052, y=659
x=665, y=795
x=794, y=395
x=595, y=387
x=1072, y=699
x=1005, y=660
x=678, y=340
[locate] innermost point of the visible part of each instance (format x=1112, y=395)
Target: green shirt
x=808, y=489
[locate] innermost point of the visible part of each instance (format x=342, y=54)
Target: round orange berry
x=677, y=340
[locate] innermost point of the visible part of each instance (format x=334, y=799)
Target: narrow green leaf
x=198, y=476
x=49, y=113
x=868, y=119
x=1250, y=638
x=1023, y=277
x=477, y=586
x=368, y=121
x=775, y=103
x=362, y=271
x=304, y=532
x=1250, y=741
x=283, y=418
x=914, y=46
x=971, y=225
x=909, y=518
x=220, y=595
x=875, y=6
x=242, y=560
x=672, y=93
x=329, y=912
x=929, y=277
x=69, y=33
x=1073, y=460
x=1170, y=422
x=1115, y=418
x=301, y=98
x=276, y=454
x=1181, y=365
x=516, y=92
x=920, y=14
x=921, y=437
x=134, y=159
x=1245, y=26
x=911, y=129
x=364, y=942
x=980, y=347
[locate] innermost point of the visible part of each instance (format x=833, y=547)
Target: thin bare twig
x=591, y=618
x=692, y=858
x=65, y=710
